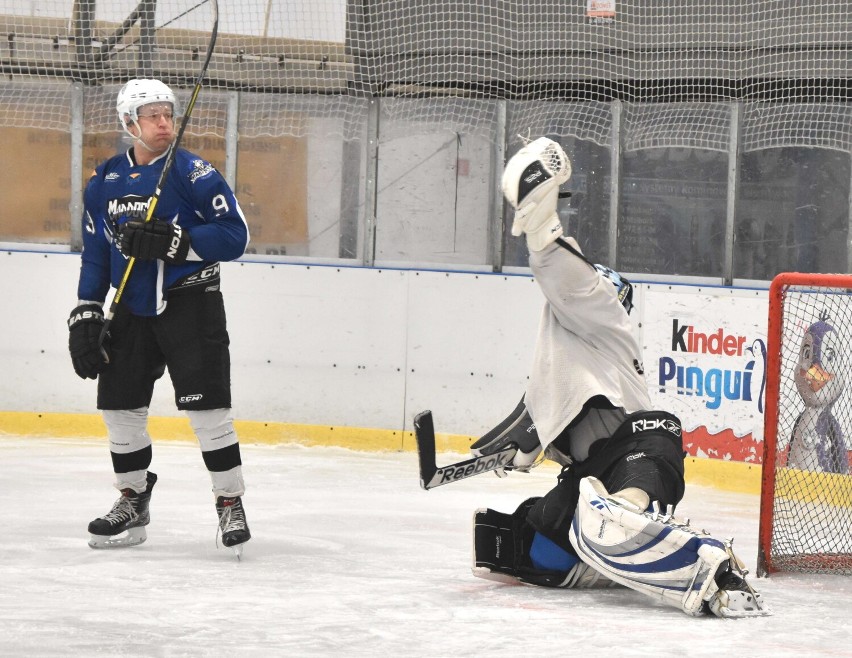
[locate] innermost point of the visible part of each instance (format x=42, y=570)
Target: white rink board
x=316, y=345
x=471, y=343
x=355, y=347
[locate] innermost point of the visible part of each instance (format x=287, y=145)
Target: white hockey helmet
x=137, y=93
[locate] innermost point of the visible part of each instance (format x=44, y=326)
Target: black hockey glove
x=154, y=239
x=85, y=326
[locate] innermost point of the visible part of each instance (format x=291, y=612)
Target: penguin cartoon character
x=817, y=443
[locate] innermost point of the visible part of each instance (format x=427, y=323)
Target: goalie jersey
x=194, y=196
x=585, y=345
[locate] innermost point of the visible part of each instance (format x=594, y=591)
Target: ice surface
x=349, y=557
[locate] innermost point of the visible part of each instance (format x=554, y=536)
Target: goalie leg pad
x=646, y=551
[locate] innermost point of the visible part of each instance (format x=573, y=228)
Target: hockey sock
x=547, y=555
x=228, y=483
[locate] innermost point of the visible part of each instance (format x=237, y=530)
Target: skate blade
x=134, y=537
x=739, y=604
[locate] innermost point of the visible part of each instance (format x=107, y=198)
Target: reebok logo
x=451, y=473
x=638, y=455
x=648, y=424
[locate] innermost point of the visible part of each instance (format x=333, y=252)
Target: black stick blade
x=431, y=476
x=424, y=432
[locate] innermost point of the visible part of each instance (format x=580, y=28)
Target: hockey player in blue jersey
x=609, y=519
x=171, y=313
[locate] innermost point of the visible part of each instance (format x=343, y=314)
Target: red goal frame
x=825, y=562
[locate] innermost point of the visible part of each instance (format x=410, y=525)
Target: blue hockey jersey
x=194, y=195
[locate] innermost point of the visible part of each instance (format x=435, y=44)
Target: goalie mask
x=623, y=287
x=137, y=93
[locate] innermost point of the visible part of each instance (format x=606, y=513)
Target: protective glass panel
x=792, y=214
x=672, y=213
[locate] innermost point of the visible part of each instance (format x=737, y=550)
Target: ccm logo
x=195, y=397
x=532, y=177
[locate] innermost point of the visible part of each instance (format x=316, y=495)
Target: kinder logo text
x=718, y=383
x=685, y=338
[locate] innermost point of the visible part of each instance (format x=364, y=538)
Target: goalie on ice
x=609, y=519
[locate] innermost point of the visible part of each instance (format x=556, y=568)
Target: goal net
x=337, y=106
x=310, y=66
x=806, y=494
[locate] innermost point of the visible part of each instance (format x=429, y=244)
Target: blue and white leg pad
x=646, y=551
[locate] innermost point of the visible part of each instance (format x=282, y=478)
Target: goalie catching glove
x=155, y=239
x=530, y=184
x=84, y=326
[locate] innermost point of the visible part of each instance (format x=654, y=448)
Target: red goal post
x=806, y=490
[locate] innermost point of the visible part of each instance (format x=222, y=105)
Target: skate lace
x=232, y=518
x=121, y=510
x=655, y=513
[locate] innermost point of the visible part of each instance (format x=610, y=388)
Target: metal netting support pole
x=371, y=183
x=614, y=182
x=77, y=127
x=733, y=193
x=232, y=138
x=496, y=205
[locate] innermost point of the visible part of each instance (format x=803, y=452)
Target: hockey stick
x=431, y=475
x=167, y=165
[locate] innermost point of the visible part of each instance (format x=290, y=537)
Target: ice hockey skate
x=232, y=523
x=735, y=597
x=129, y=514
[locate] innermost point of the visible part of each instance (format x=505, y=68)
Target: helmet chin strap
x=138, y=140
x=147, y=148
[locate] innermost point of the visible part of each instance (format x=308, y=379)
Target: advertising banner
x=705, y=361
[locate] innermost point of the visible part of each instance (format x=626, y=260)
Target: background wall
x=338, y=347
